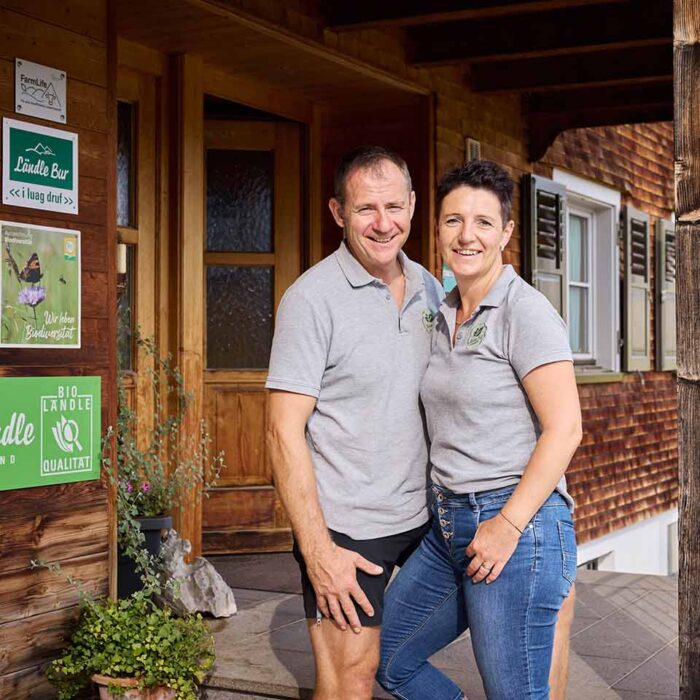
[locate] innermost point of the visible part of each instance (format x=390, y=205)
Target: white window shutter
x=665, y=311
x=544, y=242
x=637, y=296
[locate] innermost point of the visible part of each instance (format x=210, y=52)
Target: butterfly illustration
x=30, y=273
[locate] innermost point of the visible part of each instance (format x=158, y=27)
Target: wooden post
x=686, y=58
x=189, y=164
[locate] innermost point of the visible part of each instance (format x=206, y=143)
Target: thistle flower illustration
x=31, y=296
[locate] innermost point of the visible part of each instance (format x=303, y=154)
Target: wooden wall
x=68, y=523
x=404, y=129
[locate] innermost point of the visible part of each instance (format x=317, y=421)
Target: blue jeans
x=431, y=602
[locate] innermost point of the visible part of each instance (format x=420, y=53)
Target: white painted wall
x=643, y=548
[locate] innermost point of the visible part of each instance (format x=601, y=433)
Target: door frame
x=191, y=81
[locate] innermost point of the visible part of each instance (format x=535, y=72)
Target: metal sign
x=39, y=167
x=40, y=91
x=39, y=286
x=49, y=430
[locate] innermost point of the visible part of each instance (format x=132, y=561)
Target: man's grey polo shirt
x=340, y=337
x=481, y=425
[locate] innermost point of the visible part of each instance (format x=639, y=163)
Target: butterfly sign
x=30, y=273
x=40, y=286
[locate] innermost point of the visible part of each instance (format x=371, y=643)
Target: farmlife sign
x=40, y=91
x=39, y=286
x=39, y=167
x=49, y=430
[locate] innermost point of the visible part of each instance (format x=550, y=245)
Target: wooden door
x=251, y=255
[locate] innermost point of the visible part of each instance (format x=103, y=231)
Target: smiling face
x=375, y=215
x=471, y=233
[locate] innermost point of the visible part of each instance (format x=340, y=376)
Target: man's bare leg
x=559, y=673
x=346, y=663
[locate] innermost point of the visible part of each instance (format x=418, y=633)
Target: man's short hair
x=366, y=158
x=482, y=175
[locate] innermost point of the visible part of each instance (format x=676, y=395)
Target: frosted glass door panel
x=240, y=195
x=240, y=311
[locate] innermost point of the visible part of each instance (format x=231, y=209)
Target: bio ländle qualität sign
x=49, y=430
x=39, y=167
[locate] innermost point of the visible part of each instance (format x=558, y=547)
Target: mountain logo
x=41, y=150
x=46, y=94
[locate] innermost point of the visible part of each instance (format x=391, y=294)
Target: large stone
x=201, y=587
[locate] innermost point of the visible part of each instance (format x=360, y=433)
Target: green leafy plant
x=134, y=638
x=153, y=477
x=154, y=471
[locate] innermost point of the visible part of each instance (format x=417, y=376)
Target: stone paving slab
x=624, y=643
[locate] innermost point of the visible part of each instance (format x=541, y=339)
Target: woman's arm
x=553, y=394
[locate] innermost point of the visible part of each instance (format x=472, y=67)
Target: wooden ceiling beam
x=575, y=100
x=543, y=129
x=366, y=14
x=610, y=67
x=557, y=32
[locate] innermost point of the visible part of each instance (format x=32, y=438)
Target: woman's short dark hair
x=480, y=174
x=366, y=158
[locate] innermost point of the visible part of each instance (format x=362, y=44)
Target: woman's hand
x=492, y=547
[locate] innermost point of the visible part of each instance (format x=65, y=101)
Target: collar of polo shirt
x=357, y=276
x=494, y=297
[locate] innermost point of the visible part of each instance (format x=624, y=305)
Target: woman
x=504, y=421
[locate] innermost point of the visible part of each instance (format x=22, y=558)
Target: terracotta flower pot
x=158, y=693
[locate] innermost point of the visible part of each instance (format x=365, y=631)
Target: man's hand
x=493, y=545
x=333, y=576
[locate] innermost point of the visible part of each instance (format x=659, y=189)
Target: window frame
x=589, y=286
x=603, y=205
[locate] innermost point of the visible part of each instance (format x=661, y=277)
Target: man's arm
x=331, y=569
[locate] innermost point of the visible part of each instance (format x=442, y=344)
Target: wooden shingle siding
x=626, y=468
x=635, y=159
x=68, y=523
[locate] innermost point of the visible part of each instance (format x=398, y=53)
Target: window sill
x=596, y=375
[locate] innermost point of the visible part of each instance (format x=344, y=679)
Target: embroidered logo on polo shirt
x=476, y=337
x=428, y=320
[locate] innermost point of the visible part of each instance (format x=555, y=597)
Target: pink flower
x=145, y=487
x=31, y=296
x=129, y=487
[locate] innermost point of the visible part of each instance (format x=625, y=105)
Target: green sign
x=39, y=286
x=49, y=430
x=40, y=167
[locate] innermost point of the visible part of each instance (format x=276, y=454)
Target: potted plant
x=134, y=649
x=155, y=466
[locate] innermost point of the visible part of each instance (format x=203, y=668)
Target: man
x=345, y=431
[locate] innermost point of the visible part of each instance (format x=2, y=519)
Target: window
x=580, y=262
x=603, y=562
x=126, y=168
x=673, y=548
x=572, y=258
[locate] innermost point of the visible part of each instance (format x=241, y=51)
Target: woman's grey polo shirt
x=481, y=425
x=340, y=338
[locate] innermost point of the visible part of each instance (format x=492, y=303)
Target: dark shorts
x=388, y=552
